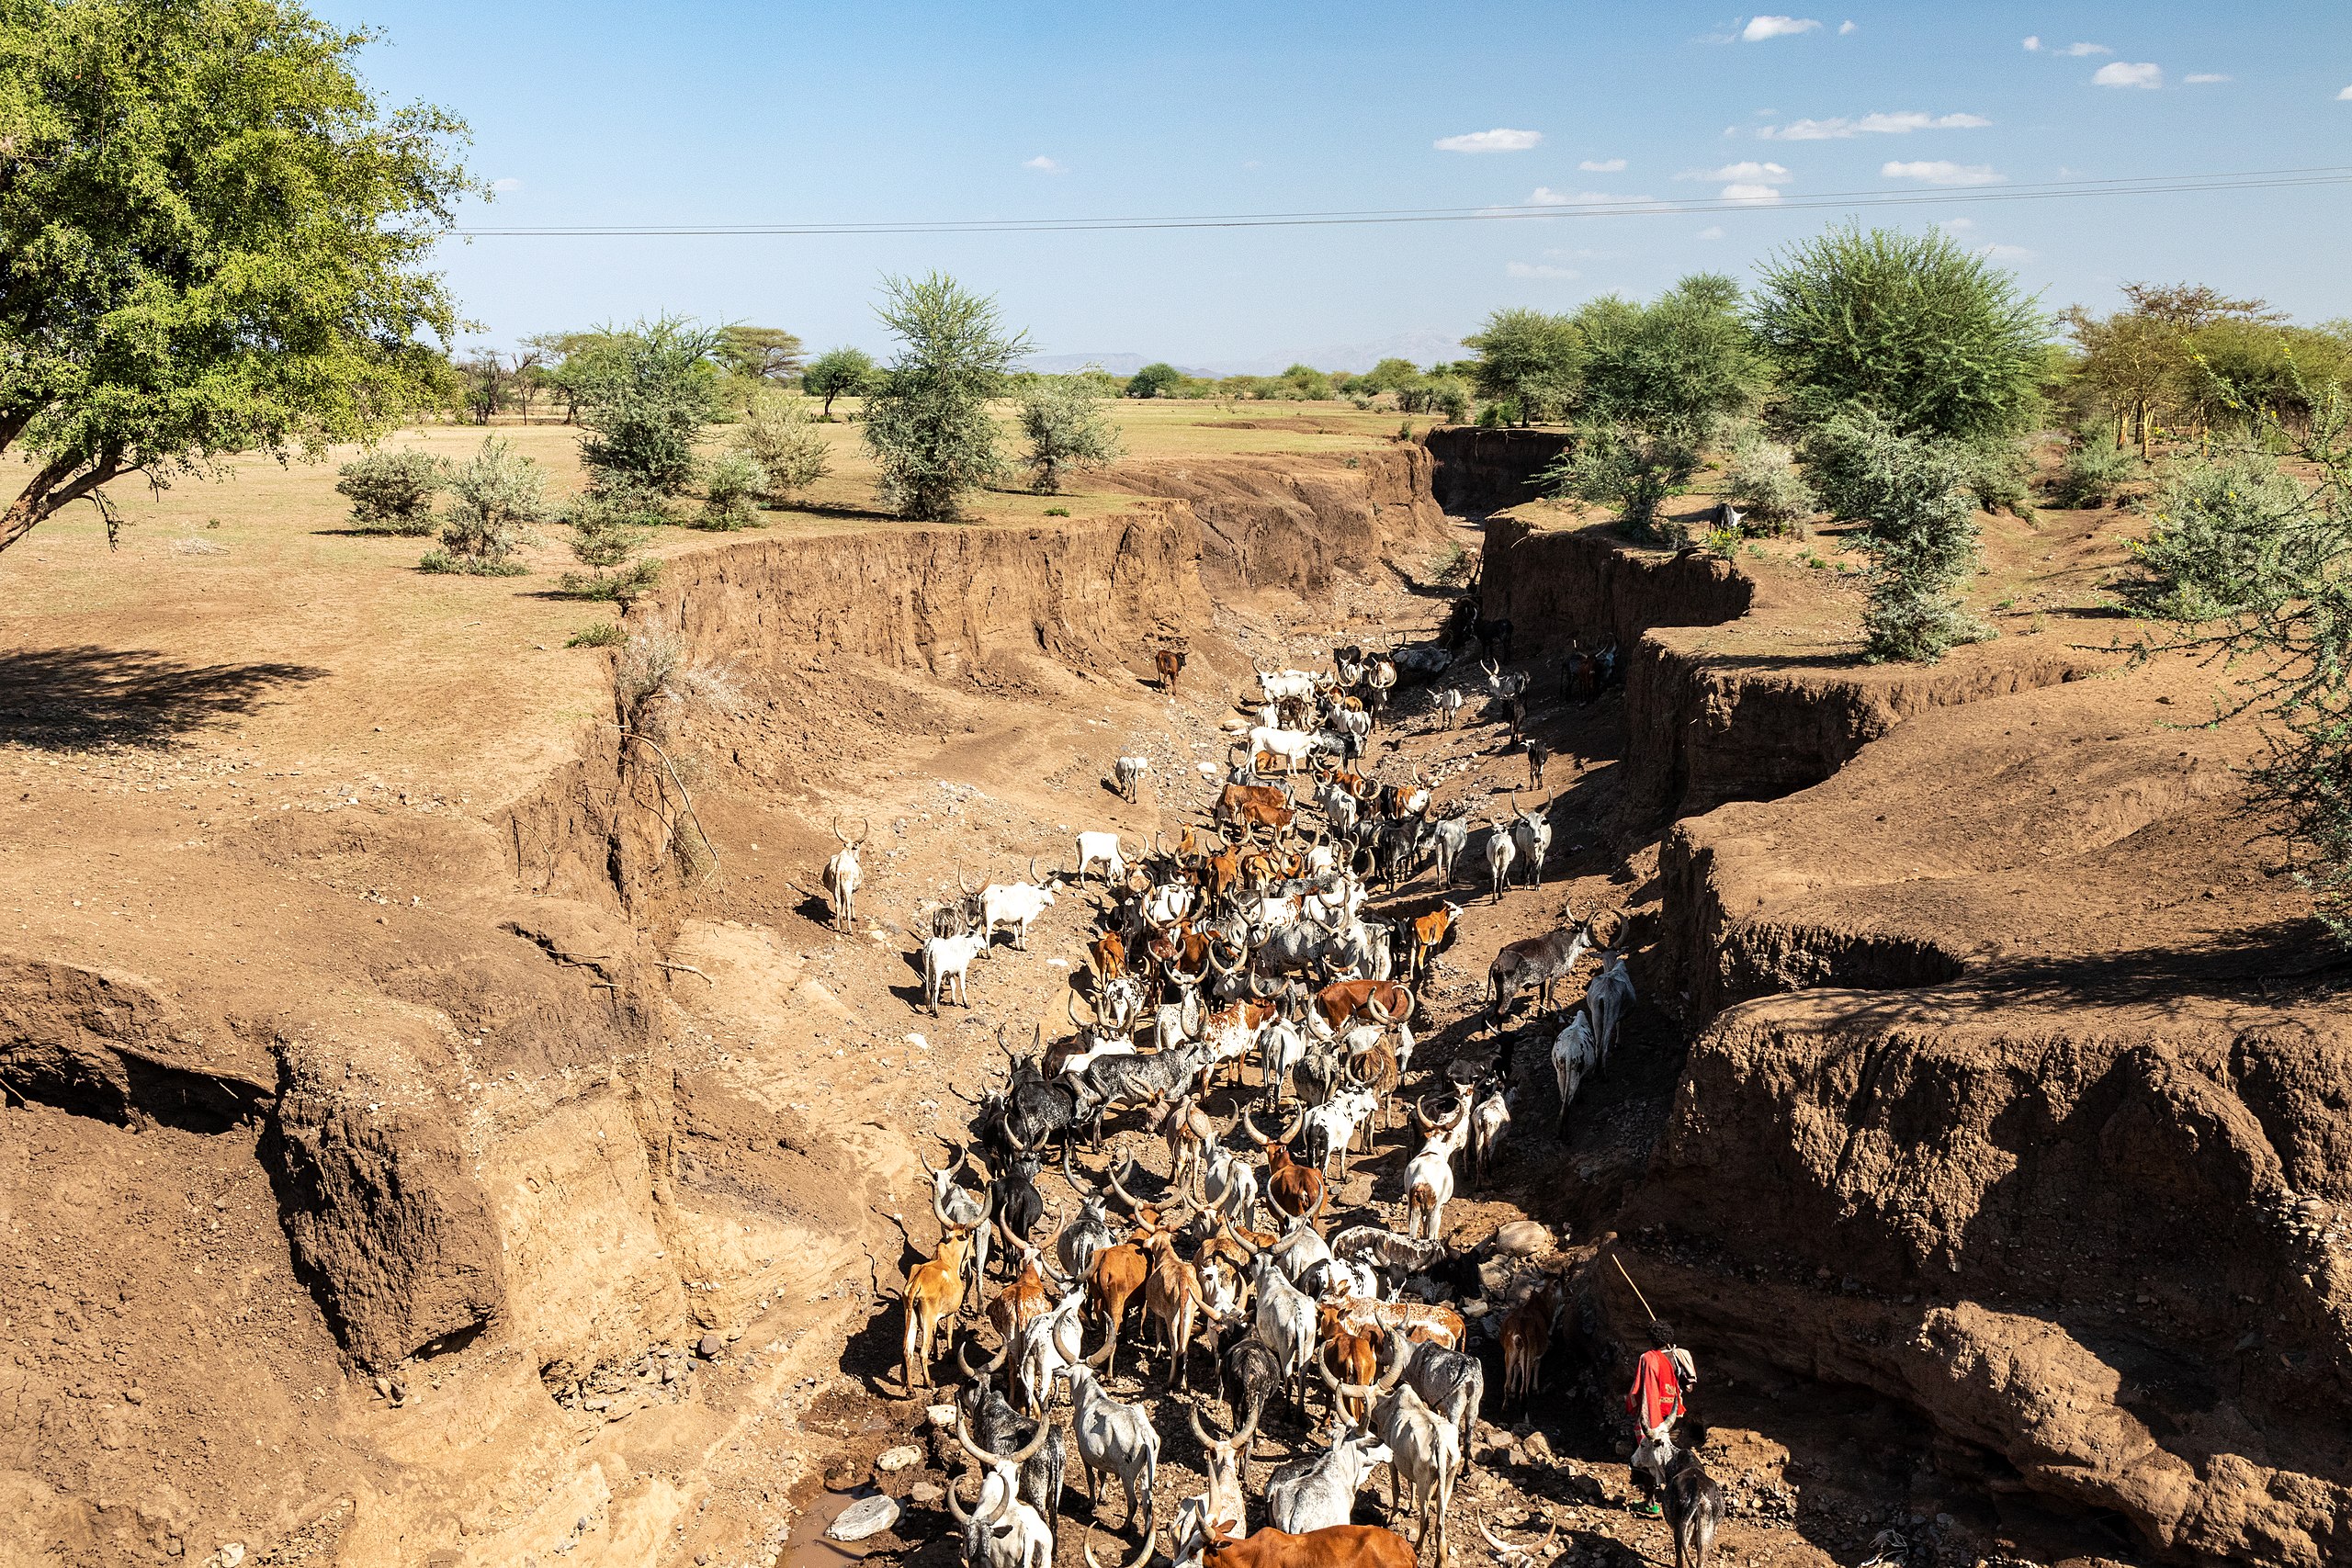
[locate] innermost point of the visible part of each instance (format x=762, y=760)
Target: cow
x=1540, y=962
x=1693, y=1503
x=1169, y=662
x=1338, y=1004
x=844, y=874
x=1432, y=935
x=1341, y=1546
x=1606, y=999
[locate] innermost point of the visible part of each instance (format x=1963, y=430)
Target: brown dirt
x=392, y=1112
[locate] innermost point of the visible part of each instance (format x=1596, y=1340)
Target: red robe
x=1656, y=1397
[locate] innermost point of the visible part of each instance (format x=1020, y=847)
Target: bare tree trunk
x=43, y=495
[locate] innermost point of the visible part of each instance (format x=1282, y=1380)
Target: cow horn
x=1036, y=1441
x=964, y=883
x=1200, y=1433
x=1126, y=1196
x=837, y=830
x=963, y=1516
x=1253, y=1129
x=981, y=1373
x=1077, y=1021
x=1033, y=872
x=964, y=1436
x=1514, y=805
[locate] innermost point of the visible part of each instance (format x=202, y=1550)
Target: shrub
x=597, y=633
x=1528, y=360
x=1156, y=381
x=1607, y=467
x=1760, y=479
x=1062, y=419
x=1911, y=493
x=654, y=685
x=645, y=400
x=603, y=541
x=495, y=493
x=391, y=492
x=620, y=503
x=1058, y=512
x=2212, y=546
x=928, y=424
x=1449, y=396
x=1996, y=474
x=779, y=434
x=2092, y=473
x=732, y=483
x=613, y=587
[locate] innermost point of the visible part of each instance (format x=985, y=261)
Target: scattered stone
x=867, y=1516
x=1538, y=1448
x=929, y=1493
x=898, y=1459
x=710, y=1347
x=941, y=1416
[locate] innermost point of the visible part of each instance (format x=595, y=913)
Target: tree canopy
x=1529, y=358
x=1154, y=380
x=215, y=241
x=762, y=354
x=646, y=395
x=1910, y=328
x=837, y=373
x=927, y=423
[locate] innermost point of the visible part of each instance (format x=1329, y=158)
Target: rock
x=230, y=1555
x=1522, y=1239
x=867, y=1516
x=941, y=1416
x=899, y=1459
x=1537, y=1447
x=710, y=1347
x=927, y=1493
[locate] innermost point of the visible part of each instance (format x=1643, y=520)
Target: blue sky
x=591, y=113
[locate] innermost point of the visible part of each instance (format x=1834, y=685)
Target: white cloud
x=1712, y=231
x=1745, y=173
x=2344, y=96
x=2033, y=43
x=1759, y=29
x=1942, y=172
x=2085, y=50
x=1759, y=194
x=1957, y=225
x=2120, y=75
x=1839, y=127
x=2198, y=78
x=1539, y=269
x=510, y=183
x=1495, y=141
x=2005, y=253
x=1045, y=165
x=1544, y=195
x=1614, y=165
x=1846, y=28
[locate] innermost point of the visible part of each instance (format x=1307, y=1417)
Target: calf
x=1169, y=662
x=1109, y=956
x=1489, y=1120
x=1538, y=755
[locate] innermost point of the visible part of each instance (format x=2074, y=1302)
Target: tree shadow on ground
x=62, y=699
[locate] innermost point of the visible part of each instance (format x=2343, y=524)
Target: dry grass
x=465, y=684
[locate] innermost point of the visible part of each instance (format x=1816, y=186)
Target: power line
x=2054, y=190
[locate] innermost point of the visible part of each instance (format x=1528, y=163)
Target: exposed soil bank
x=1588, y=585
x=1294, y=523
x=1480, y=470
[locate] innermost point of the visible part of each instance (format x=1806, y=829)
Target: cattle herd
x=1243, y=1003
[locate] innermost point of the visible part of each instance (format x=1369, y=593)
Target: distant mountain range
x=1422, y=345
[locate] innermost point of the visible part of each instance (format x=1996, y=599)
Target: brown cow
x=1109, y=956
x=1384, y=1001
x=1429, y=934
x=1169, y=663
x=1526, y=1335
x=1112, y=1281
x=1337, y=1545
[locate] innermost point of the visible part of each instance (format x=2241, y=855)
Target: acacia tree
x=1909, y=328
x=1659, y=382
x=838, y=373
x=1529, y=358
x=214, y=241
x=1062, y=418
x=760, y=354
x=927, y=424
x=645, y=398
